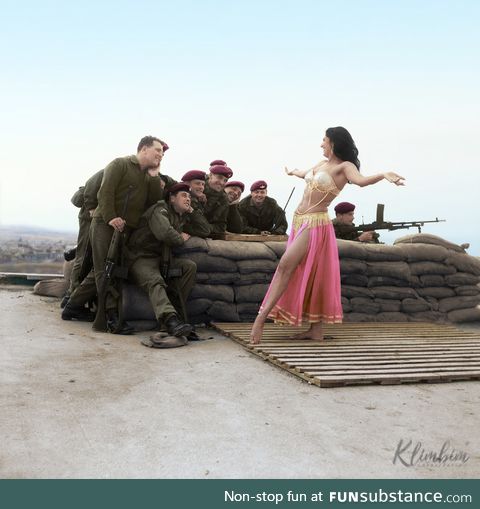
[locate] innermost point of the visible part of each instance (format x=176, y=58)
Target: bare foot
x=315, y=333
x=257, y=331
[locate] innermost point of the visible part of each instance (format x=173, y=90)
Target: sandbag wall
x=232, y=278
x=420, y=278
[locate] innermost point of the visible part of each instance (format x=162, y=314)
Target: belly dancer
x=306, y=285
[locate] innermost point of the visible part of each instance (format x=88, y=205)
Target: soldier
x=345, y=227
x=260, y=213
x=196, y=223
x=149, y=258
x=216, y=208
x=139, y=175
x=234, y=190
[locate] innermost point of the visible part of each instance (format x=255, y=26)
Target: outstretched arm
x=296, y=173
x=355, y=177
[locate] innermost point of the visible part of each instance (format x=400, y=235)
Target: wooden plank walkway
x=368, y=353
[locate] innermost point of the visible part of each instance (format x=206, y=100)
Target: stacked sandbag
x=55, y=287
x=420, y=278
x=232, y=278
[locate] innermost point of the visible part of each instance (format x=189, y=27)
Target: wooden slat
x=366, y=353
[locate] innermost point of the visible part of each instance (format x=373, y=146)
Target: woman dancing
x=306, y=284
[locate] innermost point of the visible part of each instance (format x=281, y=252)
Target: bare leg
x=288, y=263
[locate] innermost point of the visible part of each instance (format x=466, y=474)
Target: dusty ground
x=78, y=404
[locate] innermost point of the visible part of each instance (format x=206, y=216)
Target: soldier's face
x=258, y=196
x=217, y=182
x=197, y=187
x=346, y=218
x=181, y=202
x=233, y=193
x=152, y=155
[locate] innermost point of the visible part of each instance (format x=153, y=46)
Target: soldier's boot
x=175, y=327
x=115, y=327
x=64, y=300
x=79, y=313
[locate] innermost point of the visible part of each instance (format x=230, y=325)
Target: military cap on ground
x=218, y=162
x=219, y=169
x=194, y=175
x=344, y=207
x=259, y=184
x=180, y=186
x=236, y=183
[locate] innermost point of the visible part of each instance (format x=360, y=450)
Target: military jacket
x=117, y=177
x=234, y=219
x=344, y=231
x=269, y=217
x=216, y=209
x=158, y=227
x=196, y=223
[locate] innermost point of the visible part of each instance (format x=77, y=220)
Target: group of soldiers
x=153, y=213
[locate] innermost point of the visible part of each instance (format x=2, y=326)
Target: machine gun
x=111, y=270
x=381, y=224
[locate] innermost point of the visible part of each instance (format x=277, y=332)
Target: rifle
x=284, y=208
x=381, y=224
x=111, y=270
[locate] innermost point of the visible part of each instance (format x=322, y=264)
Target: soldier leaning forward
x=196, y=223
x=150, y=262
x=217, y=206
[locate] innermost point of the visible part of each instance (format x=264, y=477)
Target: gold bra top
x=321, y=181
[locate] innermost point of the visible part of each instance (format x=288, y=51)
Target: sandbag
x=346, y=306
x=354, y=279
x=438, y=292
x=434, y=305
x=198, y=306
x=237, y=250
x=432, y=280
x=383, y=252
x=253, y=293
x=422, y=252
x=351, y=249
x=358, y=317
x=212, y=292
x=364, y=305
x=410, y=305
x=391, y=317
x=352, y=266
x=278, y=248
x=218, y=278
x=193, y=245
x=248, y=266
x=51, y=288
x=464, y=263
x=223, y=312
x=465, y=315
x=254, y=278
x=136, y=304
x=248, y=308
x=427, y=238
x=428, y=316
x=461, y=279
x=389, y=305
x=458, y=302
x=386, y=281
x=207, y=263
x=398, y=270
x=356, y=291
x=393, y=292
x=421, y=268
x=467, y=290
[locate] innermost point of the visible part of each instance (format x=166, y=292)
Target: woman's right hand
x=289, y=172
x=394, y=178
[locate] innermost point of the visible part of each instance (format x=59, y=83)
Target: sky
x=255, y=83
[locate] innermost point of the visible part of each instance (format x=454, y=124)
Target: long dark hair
x=343, y=145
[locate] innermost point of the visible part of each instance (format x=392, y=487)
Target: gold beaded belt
x=311, y=220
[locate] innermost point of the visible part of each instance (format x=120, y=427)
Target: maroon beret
x=220, y=169
x=179, y=186
x=237, y=183
x=259, y=184
x=164, y=145
x=344, y=207
x=194, y=175
x=218, y=162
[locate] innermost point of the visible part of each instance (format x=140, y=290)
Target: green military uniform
x=234, y=219
x=348, y=232
x=145, y=190
x=87, y=196
x=269, y=217
x=149, y=250
x=216, y=209
x=196, y=223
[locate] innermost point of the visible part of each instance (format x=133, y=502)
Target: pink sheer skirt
x=314, y=291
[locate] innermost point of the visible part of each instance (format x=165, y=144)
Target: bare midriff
x=314, y=201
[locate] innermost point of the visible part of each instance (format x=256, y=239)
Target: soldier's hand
x=117, y=223
x=185, y=236
x=154, y=172
x=202, y=198
x=366, y=236
x=90, y=212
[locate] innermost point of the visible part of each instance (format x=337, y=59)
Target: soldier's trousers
x=82, y=243
x=145, y=272
x=100, y=237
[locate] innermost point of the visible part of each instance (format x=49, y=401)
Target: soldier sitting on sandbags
x=151, y=265
x=196, y=223
x=216, y=207
x=233, y=190
x=260, y=213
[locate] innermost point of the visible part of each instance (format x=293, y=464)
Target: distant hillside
x=8, y=232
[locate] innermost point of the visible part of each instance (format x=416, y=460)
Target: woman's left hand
x=394, y=178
